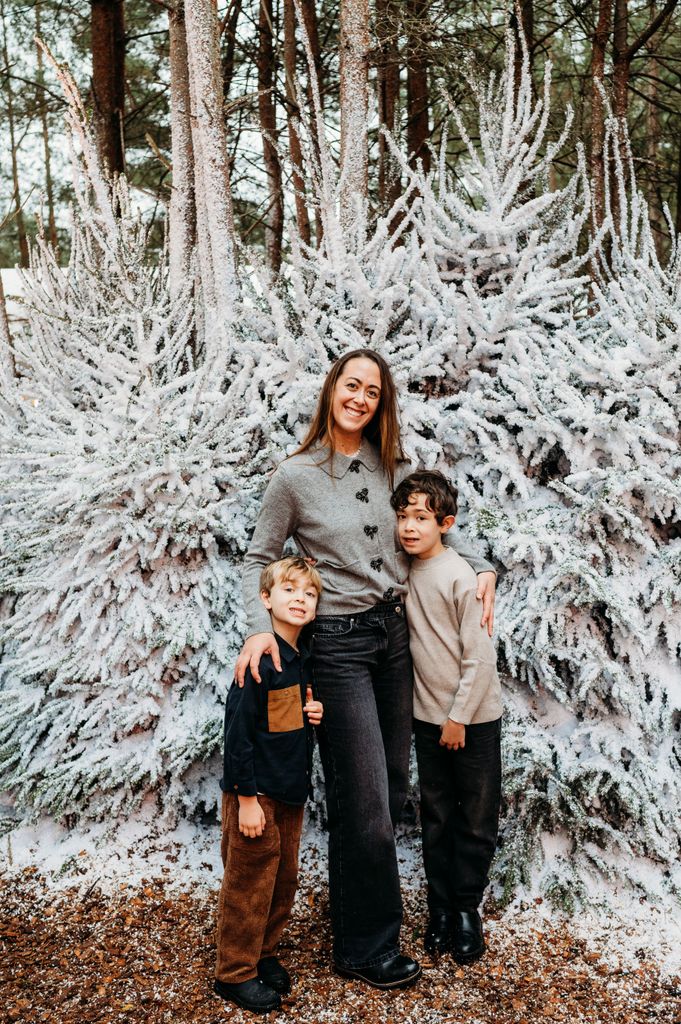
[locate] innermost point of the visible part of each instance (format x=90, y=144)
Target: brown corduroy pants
x=258, y=886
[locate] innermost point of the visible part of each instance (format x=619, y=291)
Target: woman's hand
x=487, y=586
x=251, y=817
x=253, y=650
x=314, y=709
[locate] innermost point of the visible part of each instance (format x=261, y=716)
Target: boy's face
x=293, y=601
x=418, y=529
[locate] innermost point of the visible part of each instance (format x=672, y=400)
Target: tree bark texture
x=523, y=29
x=387, y=29
x=354, y=101
x=293, y=118
x=182, y=230
x=274, y=218
x=418, y=130
x=16, y=198
x=215, y=226
x=49, y=188
x=107, y=26
x=624, y=52
x=7, y=368
x=597, y=160
x=230, y=23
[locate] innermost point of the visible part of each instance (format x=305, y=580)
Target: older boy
x=457, y=717
x=265, y=784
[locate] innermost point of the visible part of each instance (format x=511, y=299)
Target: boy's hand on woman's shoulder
x=453, y=735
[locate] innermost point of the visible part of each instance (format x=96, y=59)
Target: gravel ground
x=145, y=953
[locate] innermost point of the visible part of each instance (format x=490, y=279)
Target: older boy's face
x=293, y=601
x=418, y=529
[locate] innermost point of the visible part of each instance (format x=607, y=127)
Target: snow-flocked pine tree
x=527, y=406
x=129, y=475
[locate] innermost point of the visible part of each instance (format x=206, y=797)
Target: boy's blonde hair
x=285, y=569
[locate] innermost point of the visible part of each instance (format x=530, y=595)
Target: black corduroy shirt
x=268, y=740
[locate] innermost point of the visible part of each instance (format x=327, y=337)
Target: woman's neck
x=347, y=443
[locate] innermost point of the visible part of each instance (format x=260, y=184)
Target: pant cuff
x=353, y=965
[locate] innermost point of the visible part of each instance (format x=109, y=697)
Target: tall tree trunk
x=311, y=27
x=274, y=219
x=230, y=23
x=522, y=21
x=677, y=219
x=623, y=54
x=597, y=160
x=315, y=85
x=293, y=116
x=7, y=368
x=18, y=210
x=215, y=224
x=418, y=130
x=107, y=27
x=182, y=231
x=354, y=101
x=387, y=28
x=621, y=61
x=49, y=189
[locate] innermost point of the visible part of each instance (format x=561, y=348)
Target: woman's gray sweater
x=340, y=515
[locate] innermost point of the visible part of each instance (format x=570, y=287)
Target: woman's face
x=356, y=395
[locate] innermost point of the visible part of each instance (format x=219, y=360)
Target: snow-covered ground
x=620, y=926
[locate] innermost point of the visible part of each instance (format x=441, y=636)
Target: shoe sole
x=468, y=958
x=358, y=976
x=244, y=1005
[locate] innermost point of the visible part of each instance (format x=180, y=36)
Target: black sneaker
x=249, y=995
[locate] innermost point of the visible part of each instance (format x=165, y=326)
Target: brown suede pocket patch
x=284, y=709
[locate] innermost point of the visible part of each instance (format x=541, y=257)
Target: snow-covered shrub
x=129, y=476
x=528, y=406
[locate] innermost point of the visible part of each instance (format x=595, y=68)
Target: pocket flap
x=284, y=709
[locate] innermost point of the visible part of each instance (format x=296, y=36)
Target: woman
x=333, y=497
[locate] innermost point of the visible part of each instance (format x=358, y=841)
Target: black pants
x=460, y=797
x=363, y=677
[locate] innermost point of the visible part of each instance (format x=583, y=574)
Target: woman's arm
x=275, y=525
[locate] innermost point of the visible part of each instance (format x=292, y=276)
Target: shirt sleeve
x=453, y=540
x=478, y=660
x=276, y=523
x=240, y=736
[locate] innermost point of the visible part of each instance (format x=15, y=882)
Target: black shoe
x=438, y=934
x=271, y=973
x=467, y=940
x=249, y=995
x=398, y=972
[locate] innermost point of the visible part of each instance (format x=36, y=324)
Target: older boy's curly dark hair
x=441, y=496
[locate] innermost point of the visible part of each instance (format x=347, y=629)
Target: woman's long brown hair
x=383, y=430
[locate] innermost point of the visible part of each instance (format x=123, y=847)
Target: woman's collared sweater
x=339, y=514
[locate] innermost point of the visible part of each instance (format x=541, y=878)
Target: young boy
x=457, y=717
x=265, y=784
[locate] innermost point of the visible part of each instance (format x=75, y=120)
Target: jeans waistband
x=383, y=608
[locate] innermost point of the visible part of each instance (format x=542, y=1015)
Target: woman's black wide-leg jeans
x=363, y=677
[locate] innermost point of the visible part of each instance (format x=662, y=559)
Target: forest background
x=217, y=203
x=119, y=53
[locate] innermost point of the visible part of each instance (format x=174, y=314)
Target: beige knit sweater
x=455, y=673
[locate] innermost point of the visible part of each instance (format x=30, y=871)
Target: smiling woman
x=333, y=497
